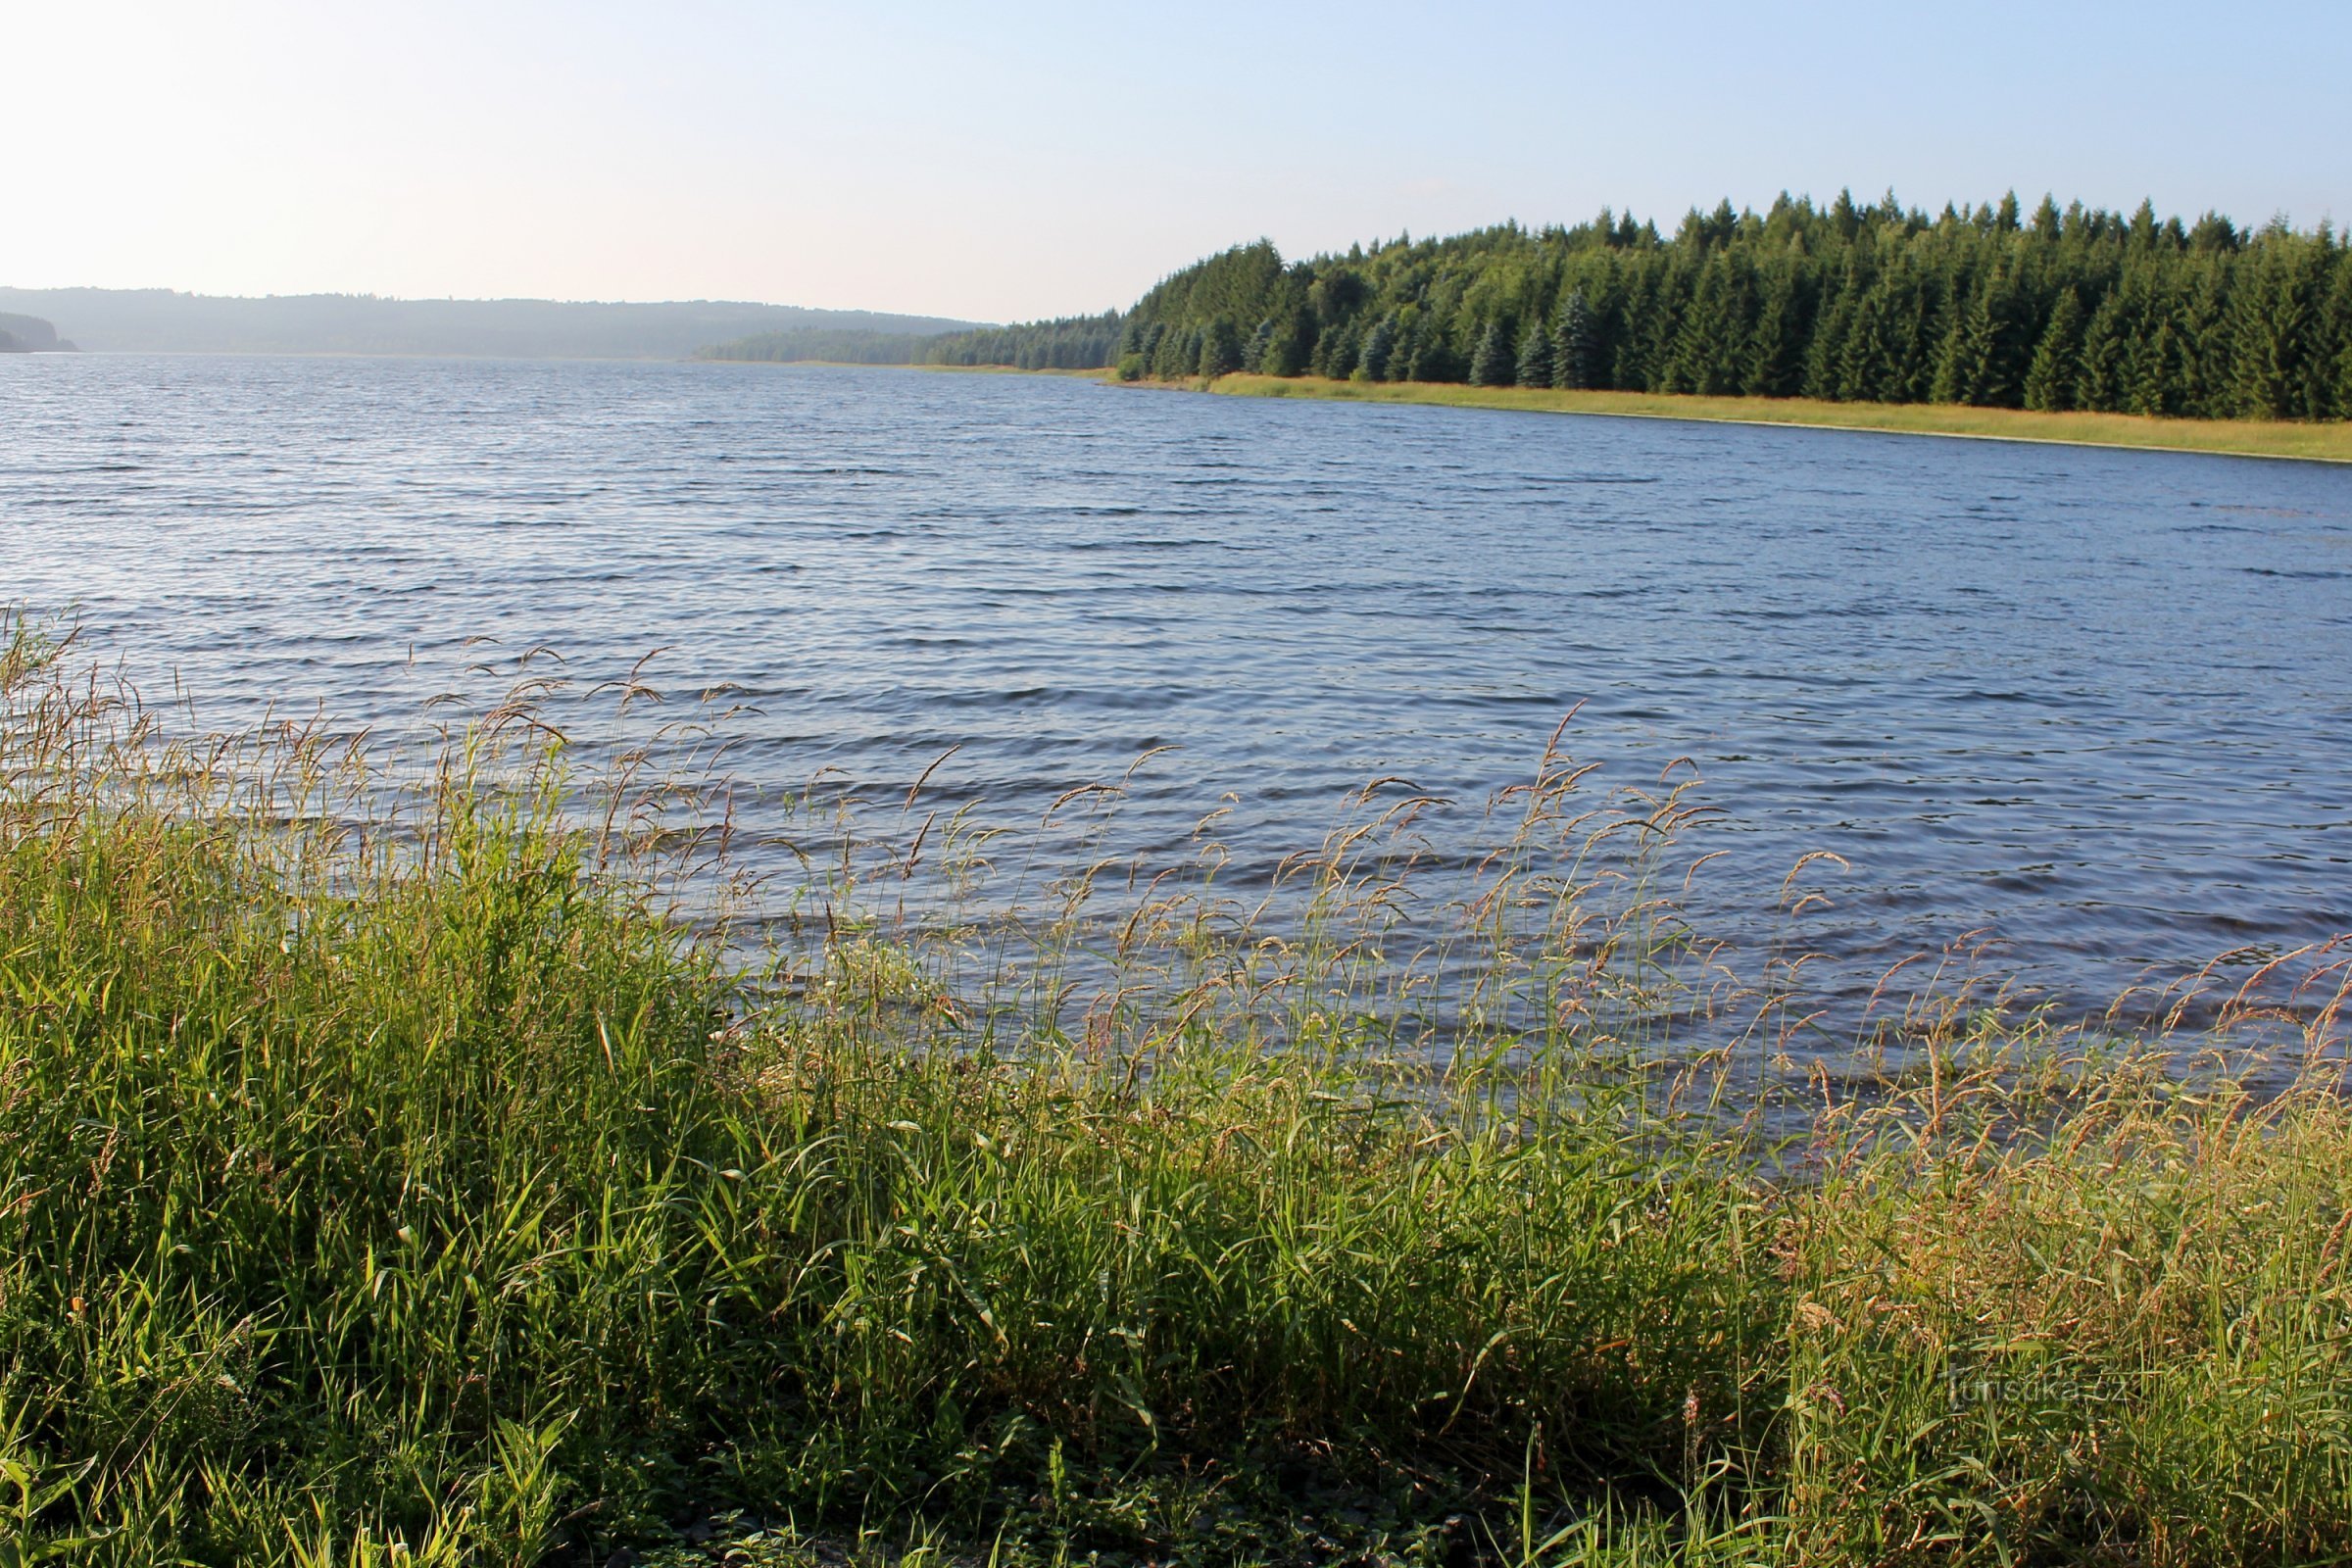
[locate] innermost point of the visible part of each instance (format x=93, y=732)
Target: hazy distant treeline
x=167, y=322
x=2081, y=309
x=1072, y=343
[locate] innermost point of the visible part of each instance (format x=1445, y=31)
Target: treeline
x=831, y=347
x=1071, y=343
x=1067, y=343
x=2081, y=309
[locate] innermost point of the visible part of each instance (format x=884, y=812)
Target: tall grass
x=390, y=1171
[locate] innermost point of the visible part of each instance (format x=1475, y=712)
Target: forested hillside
x=27, y=334
x=161, y=320
x=1072, y=343
x=2081, y=309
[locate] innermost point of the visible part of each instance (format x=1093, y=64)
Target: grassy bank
x=387, y=1176
x=2331, y=443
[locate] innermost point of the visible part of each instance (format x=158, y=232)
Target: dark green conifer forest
x=2079, y=309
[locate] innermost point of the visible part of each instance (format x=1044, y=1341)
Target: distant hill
x=27, y=334
x=163, y=320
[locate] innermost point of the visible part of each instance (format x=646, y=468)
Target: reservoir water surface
x=2097, y=704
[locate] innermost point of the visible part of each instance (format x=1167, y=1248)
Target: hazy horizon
x=10, y=285
x=1058, y=161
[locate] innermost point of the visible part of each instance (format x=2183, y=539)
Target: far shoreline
x=2238, y=438
x=2285, y=440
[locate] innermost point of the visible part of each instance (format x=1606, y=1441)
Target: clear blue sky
x=1008, y=161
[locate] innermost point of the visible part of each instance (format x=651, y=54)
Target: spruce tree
x=2050, y=380
x=2337, y=372
x=1864, y=358
x=2153, y=369
x=1433, y=359
x=1253, y=356
x=1490, y=363
x=2343, y=379
x=2007, y=344
x=1535, y=356
x=1837, y=318
x=1380, y=345
x=1572, y=344
x=2098, y=380
x=2204, y=340
x=1712, y=332
x=1774, y=365
x=2267, y=325
x=1220, y=349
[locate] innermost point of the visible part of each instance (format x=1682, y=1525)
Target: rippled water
x=2099, y=702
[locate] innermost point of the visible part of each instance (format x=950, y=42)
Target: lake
x=2095, y=704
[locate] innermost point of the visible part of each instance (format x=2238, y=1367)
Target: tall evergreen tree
x=1775, y=366
x=2099, y=375
x=2273, y=309
x=1535, y=356
x=1380, y=344
x=1491, y=362
x=1573, y=343
x=2050, y=380
x=1253, y=353
x=1220, y=348
x=2334, y=366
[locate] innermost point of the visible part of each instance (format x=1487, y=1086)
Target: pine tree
x=1380, y=345
x=1288, y=346
x=1572, y=344
x=1836, y=319
x=1535, y=356
x=2098, y=380
x=1714, y=330
x=2336, y=368
x=1490, y=363
x=1775, y=366
x=2272, y=309
x=1865, y=358
x=2050, y=380
x=1220, y=349
x=1335, y=351
x=1432, y=358
x=2152, y=368
x=2343, y=379
x=2204, y=368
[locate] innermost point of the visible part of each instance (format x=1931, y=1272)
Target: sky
x=1012, y=161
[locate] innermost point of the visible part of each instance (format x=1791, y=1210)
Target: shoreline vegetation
x=2246, y=439
x=2081, y=310
x=1074, y=343
x=1876, y=308
x=411, y=1167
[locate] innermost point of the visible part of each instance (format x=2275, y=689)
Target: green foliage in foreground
x=419, y=1192
x=2081, y=310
